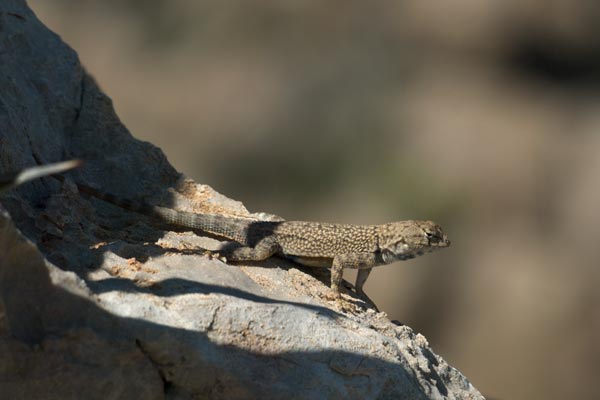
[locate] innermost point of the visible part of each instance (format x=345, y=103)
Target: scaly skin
x=335, y=246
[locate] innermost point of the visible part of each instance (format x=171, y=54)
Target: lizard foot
x=367, y=300
x=340, y=303
x=332, y=295
x=214, y=256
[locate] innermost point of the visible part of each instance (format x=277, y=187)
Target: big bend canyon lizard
x=315, y=244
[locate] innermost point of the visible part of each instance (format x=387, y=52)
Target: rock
x=96, y=302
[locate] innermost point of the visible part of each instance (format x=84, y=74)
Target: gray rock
x=98, y=303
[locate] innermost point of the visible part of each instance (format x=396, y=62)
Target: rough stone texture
x=98, y=303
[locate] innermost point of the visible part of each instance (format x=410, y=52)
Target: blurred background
x=481, y=115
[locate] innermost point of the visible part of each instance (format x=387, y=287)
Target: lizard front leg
x=361, y=278
x=364, y=261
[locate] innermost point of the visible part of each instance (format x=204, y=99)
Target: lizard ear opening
x=398, y=253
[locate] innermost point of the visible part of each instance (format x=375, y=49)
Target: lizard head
x=408, y=239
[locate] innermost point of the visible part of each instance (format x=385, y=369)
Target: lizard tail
x=232, y=228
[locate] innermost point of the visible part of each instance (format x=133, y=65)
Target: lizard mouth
x=390, y=256
x=436, y=244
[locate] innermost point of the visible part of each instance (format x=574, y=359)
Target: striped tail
x=228, y=227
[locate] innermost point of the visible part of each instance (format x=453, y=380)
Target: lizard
x=313, y=244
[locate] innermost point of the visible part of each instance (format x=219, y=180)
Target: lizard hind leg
x=264, y=249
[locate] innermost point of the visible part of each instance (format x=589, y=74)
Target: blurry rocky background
x=481, y=115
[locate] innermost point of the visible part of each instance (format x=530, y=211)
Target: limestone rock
x=98, y=303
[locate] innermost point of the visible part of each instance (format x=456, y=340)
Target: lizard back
x=315, y=239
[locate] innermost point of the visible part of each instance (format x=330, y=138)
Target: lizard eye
x=433, y=236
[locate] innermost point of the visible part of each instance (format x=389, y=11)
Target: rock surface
x=98, y=303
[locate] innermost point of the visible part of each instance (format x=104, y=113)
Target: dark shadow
x=555, y=63
x=177, y=286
